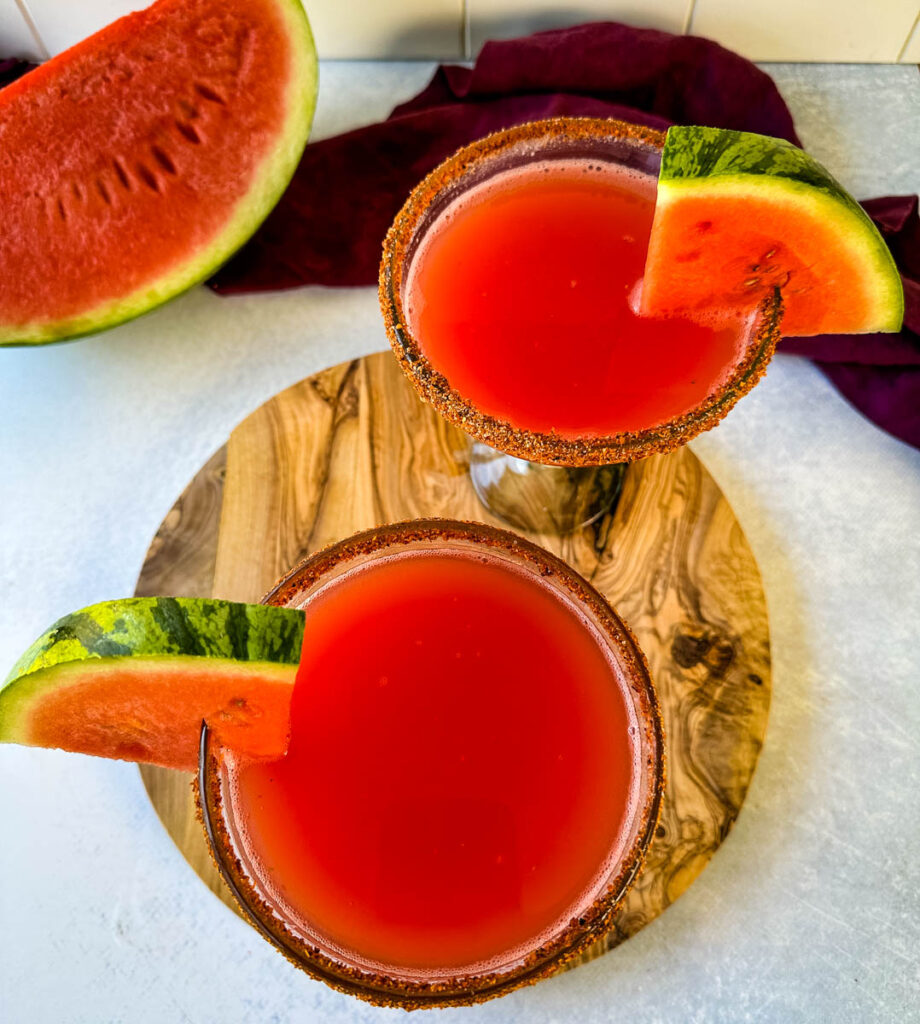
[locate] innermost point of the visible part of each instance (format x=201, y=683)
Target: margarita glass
x=474, y=775
x=508, y=286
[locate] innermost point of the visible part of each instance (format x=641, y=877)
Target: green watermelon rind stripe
x=269, y=185
x=228, y=636
x=21, y=696
x=192, y=626
x=699, y=152
x=829, y=205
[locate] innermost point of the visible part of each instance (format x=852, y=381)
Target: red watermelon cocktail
x=510, y=287
x=431, y=761
x=582, y=292
x=473, y=776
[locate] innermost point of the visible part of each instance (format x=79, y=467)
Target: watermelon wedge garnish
x=739, y=215
x=135, y=163
x=134, y=679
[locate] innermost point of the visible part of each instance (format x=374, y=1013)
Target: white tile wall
x=790, y=30
x=505, y=19
x=387, y=29
x=766, y=30
x=911, y=52
x=61, y=23
x=343, y=28
x=16, y=37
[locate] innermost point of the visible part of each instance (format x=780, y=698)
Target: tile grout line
x=688, y=19
x=914, y=29
x=33, y=28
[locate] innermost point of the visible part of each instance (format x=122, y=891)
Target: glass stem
x=554, y=500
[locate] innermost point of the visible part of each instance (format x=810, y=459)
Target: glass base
x=543, y=499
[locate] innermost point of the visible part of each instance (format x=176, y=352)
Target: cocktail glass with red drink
x=509, y=287
x=474, y=774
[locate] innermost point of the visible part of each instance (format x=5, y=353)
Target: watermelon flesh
x=740, y=215
x=136, y=162
x=153, y=713
x=134, y=680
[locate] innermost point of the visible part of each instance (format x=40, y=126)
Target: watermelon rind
x=261, y=198
x=162, y=636
x=724, y=164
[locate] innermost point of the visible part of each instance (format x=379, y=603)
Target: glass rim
x=536, y=446
x=464, y=987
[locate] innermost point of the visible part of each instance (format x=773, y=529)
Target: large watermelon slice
x=134, y=679
x=738, y=215
x=136, y=162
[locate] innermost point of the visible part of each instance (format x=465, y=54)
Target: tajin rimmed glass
x=565, y=138
x=413, y=988
x=499, y=481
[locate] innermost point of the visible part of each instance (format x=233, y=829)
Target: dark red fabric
x=12, y=69
x=329, y=226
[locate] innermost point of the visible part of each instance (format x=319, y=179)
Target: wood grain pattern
x=185, y=546
x=352, y=447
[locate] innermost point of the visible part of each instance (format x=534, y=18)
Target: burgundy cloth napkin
x=329, y=226
x=12, y=69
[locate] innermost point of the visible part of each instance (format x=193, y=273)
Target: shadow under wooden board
x=352, y=447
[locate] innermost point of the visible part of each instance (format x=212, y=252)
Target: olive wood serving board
x=353, y=447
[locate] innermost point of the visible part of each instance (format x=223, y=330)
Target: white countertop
x=811, y=909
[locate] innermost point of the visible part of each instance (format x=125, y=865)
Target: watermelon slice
x=134, y=679
x=739, y=215
x=135, y=163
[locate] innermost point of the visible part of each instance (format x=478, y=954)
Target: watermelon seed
x=148, y=178
x=122, y=174
x=209, y=94
x=189, y=132
x=103, y=191
x=163, y=159
x=61, y=211
x=751, y=282
x=77, y=191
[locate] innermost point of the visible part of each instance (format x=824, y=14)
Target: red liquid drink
x=520, y=295
x=474, y=772
x=461, y=766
